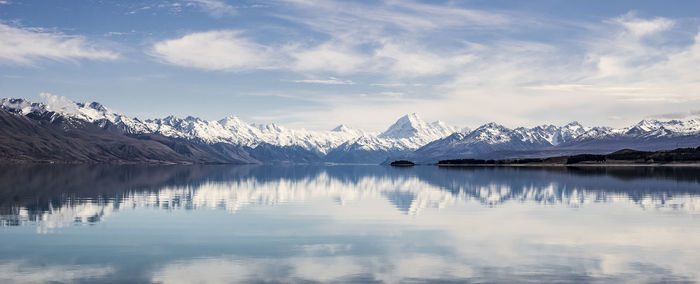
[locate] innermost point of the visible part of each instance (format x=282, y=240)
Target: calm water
x=348, y=224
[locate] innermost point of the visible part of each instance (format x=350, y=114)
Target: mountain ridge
x=410, y=137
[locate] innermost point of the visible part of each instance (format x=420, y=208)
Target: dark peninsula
x=680, y=156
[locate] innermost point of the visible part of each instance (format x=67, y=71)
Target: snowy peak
x=341, y=128
x=343, y=143
x=233, y=122
x=494, y=133
x=491, y=126
x=66, y=111
x=491, y=133
x=573, y=125
x=346, y=130
x=411, y=126
x=665, y=128
x=644, y=126
x=405, y=127
x=21, y=106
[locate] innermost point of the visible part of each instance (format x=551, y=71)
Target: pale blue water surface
x=223, y=224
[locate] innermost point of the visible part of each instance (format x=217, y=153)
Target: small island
x=680, y=156
x=402, y=163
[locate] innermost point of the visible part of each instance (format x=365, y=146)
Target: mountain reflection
x=54, y=196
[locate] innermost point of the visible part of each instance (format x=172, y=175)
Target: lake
x=221, y=224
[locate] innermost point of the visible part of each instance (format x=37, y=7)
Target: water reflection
x=181, y=224
x=57, y=196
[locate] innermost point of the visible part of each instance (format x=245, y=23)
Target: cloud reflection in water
x=364, y=224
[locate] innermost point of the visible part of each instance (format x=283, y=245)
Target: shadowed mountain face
x=99, y=135
x=231, y=140
x=493, y=141
x=29, y=140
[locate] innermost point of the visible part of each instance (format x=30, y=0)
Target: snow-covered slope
x=232, y=130
x=74, y=113
x=495, y=141
x=411, y=126
x=488, y=138
x=647, y=129
x=343, y=144
x=407, y=134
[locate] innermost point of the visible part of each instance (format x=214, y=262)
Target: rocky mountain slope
x=232, y=140
x=23, y=139
x=493, y=141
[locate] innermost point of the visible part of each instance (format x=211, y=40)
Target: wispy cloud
x=622, y=66
x=229, y=51
x=329, y=81
x=25, y=46
x=642, y=27
x=326, y=57
x=215, y=8
x=475, y=62
x=677, y=115
x=214, y=50
x=385, y=39
x=59, y=103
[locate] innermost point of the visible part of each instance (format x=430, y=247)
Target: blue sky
x=315, y=64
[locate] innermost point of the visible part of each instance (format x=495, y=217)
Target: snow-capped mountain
x=233, y=130
x=407, y=134
x=230, y=130
x=647, y=129
x=490, y=137
x=71, y=113
x=411, y=126
x=556, y=135
x=494, y=141
x=409, y=137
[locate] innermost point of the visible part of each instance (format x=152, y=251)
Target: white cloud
x=392, y=94
x=613, y=73
x=677, y=115
x=625, y=49
x=377, y=39
x=345, y=16
x=623, y=66
x=229, y=51
x=331, y=57
x=59, y=103
x=403, y=61
x=397, y=84
x=329, y=81
x=214, y=50
x=26, y=45
x=641, y=27
x=214, y=7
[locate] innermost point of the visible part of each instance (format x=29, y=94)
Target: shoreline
x=691, y=165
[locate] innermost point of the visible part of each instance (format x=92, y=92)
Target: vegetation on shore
x=402, y=163
x=626, y=156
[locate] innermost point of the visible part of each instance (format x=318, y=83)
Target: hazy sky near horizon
x=316, y=64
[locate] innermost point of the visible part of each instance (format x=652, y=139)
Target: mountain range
x=92, y=133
